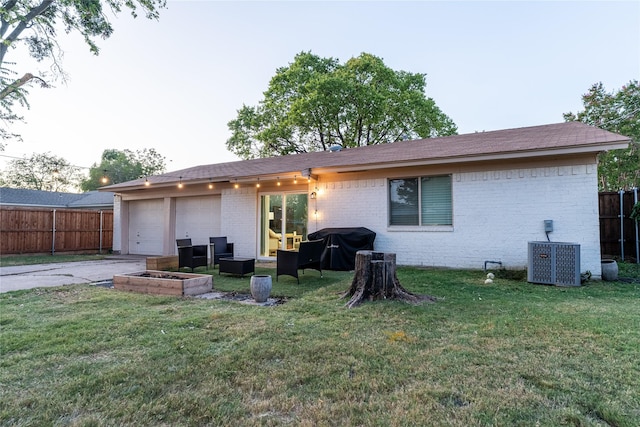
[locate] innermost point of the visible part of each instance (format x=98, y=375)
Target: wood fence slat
x=610, y=221
x=30, y=230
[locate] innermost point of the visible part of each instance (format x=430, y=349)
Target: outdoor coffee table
x=236, y=265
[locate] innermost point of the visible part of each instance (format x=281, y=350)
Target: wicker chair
x=309, y=255
x=220, y=249
x=191, y=256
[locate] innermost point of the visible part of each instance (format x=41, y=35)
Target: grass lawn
x=509, y=353
x=11, y=260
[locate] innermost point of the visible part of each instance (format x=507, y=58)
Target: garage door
x=145, y=227
x=198, y=218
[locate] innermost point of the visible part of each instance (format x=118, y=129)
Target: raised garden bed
x=164, y=283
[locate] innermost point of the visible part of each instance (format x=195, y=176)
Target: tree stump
x=375, y=278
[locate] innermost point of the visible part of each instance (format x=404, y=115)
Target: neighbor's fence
x=29, y=230
x=618, y=232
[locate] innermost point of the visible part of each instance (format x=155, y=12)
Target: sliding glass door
x=283, y=222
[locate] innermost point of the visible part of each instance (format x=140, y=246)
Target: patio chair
x=191, y=256
x=220, y=248
x=309, y=255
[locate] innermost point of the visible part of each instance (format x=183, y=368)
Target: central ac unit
x=554, y=263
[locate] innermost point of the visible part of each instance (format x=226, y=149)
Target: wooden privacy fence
x=618, y=232
x=29, y=230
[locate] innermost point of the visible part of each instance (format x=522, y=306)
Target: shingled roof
x=54, y=199
x=535, y=141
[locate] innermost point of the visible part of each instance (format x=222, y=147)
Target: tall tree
x=618, y=112
x=315, y=103
x=120, y=166
x=45, y=172
x=35, y=23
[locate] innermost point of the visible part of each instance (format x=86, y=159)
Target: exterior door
x=283, y=222
x=145, y=227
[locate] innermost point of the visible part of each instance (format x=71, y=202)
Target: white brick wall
x=495, y=214
x=239, y=220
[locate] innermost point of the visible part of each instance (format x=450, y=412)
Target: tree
x=44, y=172
x=35, y=23
x=121, y=166
x=617, y=112
x=315, y=103
x=375, y=279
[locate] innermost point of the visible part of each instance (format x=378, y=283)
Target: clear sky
x=174, y=84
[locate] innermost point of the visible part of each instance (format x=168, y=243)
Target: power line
x=26, y=158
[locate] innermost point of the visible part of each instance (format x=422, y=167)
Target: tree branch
x=24, y=22
x=13, y=87
x=8, y=5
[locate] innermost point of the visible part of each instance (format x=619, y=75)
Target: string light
x=146, y=182
x=258, y=184
x=180, y=183
x=278, y=184
x=295, y=179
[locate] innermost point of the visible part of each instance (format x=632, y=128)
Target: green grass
x=509, y=353
x=11, y=260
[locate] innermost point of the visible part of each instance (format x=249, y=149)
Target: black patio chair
x=191, y=256
x=220, y=249
x=309, y=255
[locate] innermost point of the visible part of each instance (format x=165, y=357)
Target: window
x=420, y=201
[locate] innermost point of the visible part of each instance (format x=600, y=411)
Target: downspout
x=53, y=238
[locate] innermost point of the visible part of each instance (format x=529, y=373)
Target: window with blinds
x=420, y=201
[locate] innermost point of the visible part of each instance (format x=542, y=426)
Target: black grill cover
x=341, y=245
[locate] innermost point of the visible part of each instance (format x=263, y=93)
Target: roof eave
x=477, y=158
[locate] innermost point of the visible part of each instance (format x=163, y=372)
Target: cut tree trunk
x=375, y=278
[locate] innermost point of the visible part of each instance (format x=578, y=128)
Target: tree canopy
x=315, y=103
x=34, y=24
x=120, y=166
x=44, y=171
x=619, y=112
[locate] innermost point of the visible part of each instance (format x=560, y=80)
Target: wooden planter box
x=164, y=283
x=163, y=263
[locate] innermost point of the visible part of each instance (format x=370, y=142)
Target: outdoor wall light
x=313, y=195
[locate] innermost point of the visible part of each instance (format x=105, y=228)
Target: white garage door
x=145, y=227
x=198, y=218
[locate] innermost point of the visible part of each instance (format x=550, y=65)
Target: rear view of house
x=454, y=201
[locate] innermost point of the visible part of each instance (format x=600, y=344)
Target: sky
x=174, y=84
